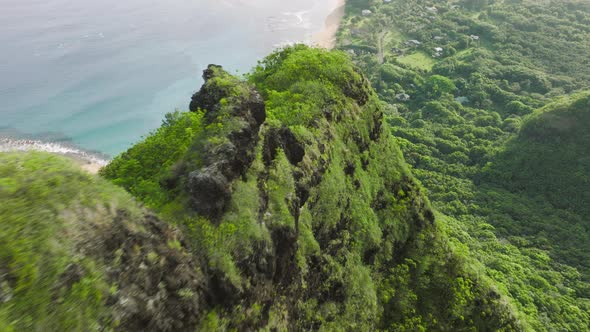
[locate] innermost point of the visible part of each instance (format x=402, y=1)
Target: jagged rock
x=285, y=244
x=284, y=139
x=243, y=112
x=222, y=290
x=208, y=96
x=257, y=108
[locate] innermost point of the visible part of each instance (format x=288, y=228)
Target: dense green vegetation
x=325, y=228
x=547, y=163
x=514, y=178
x=295, y=198
x=146, y=165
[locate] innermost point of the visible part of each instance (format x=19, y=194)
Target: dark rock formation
x=208, y=97
x=159, y=286
x=239, y=116
x=358, y=89
x=210, y=190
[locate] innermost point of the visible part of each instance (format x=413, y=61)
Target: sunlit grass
x=419, y=60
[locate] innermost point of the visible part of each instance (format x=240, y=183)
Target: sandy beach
x=91, y=168
x=327, y=37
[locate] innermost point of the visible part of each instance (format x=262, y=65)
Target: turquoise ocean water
x=100, y=74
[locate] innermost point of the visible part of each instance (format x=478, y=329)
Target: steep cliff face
x=288, y=207
x=234, y=115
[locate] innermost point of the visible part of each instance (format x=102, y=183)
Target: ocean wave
x=298, y=15
x=288, y=20
x=8, y=144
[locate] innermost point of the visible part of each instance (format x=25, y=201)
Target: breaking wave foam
x=10, y=145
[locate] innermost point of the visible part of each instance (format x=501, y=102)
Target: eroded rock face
x=159, y=284
x=218, y=85
x=207, y=97
x=210, y=191
x=235, y=111
x=284, y=139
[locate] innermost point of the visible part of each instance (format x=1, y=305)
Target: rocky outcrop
x=208, y=97
x=160, y=287
x=308, y=225
x=234, y=112
x=94, y=259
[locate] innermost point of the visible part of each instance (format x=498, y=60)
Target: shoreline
x=92, y=163
x=88, y=161
x=326, y=38
x=92, y=168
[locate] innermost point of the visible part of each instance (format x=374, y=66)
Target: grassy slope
x=418, y=60
x=550, y=155
x=42, y=199
x=78, y=253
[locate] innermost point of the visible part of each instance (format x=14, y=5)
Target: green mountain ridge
x=548, y=162
x=327, y=196
x=559, y=131
x=314, y=222
x=384, y=186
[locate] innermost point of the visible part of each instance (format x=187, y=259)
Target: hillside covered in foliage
x=431, y=174
x=316, y=223
x=484, y=99
x=280, y=202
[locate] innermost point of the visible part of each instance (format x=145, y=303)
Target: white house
x=402, y=97
x=437, y=52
